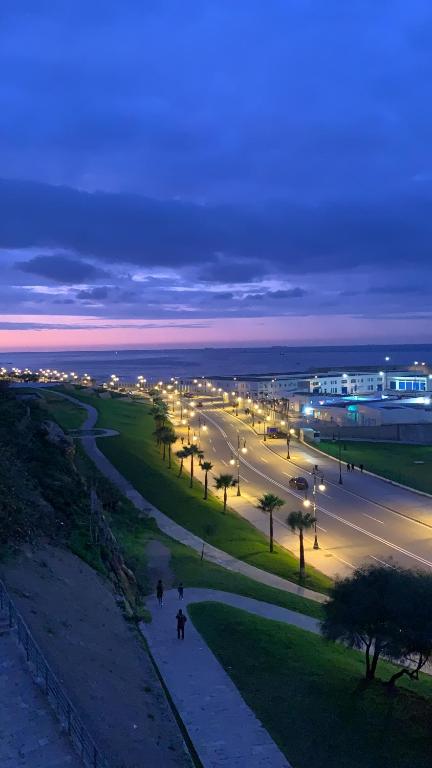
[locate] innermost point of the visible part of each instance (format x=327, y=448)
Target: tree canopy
x=387, y=612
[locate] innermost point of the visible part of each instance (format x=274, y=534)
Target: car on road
x=299, y=483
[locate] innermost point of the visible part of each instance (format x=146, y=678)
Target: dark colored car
x=299, y=483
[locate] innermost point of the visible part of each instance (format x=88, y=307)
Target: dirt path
x=99, y=658
x=158, y=564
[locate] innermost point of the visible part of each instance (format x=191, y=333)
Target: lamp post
x=234, y=461
x=340, y=458
x=306, y=503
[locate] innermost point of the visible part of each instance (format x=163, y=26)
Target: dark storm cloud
x=265, y=143
x=292, y=293
x=98, y=293
x=235, y=242
x=60, y=268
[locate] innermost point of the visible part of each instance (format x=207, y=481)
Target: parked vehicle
x=299, y=483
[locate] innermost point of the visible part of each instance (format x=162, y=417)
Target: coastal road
x=365, y=520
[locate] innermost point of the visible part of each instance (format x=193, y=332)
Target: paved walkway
x=30, y=735
x=224, y=730
x=173, y=529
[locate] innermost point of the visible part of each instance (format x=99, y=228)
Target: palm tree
x=167, y=436
x=170, y=438
x=225, y=482
x=301, y=521
x=192, y=451
x=268, y=503
x=182, y=455
x=157, y=434
x=206, y=466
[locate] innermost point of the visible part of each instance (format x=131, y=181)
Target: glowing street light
x=306, y=503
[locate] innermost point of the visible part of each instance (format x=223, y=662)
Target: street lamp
x=306, y=503
x=340, y=458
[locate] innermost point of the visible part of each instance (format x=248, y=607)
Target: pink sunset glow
x=54, y=333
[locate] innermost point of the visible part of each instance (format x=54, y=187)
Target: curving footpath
x=173, y=529
x=224, y=730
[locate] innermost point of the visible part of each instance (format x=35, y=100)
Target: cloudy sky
x=195, y=172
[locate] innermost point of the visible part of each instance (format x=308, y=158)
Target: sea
x=213, y=362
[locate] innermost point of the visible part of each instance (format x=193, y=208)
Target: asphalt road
x=364, y=520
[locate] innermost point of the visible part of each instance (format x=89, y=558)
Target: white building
x=330, y=383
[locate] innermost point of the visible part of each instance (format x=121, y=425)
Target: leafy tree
x=268, y=503
x=225, y=482
x=301, y=521
x=387, y=612
x=206, y=466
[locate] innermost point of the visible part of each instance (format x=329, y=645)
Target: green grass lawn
x=390, y=460
x=136, y=456
x=309, y=695
x=68, y=415
x=134, y=532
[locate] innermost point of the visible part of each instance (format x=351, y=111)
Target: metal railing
x=45, y=677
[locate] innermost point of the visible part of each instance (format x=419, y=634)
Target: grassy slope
x=64, y=412
x=134, y=453
x=133, y=533
x=308, y=694
x=389, y=460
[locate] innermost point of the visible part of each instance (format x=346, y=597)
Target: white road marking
x=345, y=562
x=263, y=459
x=321, y=529
x=382, y=562
x=286, y=473
x=373, y=518
x=214, y=449
x=224, y=462
x=244, y=479
x=340, y=519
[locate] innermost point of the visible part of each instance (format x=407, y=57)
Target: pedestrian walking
x=180, y=590
x=352, y=467
x=361, y=467
x=160, y=593
x=348, y=467
x=181, y=621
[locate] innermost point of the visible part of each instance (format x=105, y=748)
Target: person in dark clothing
x=181, y=621
x=352, y=467
x=180, y=590
x=361, y=467
x=348, y=467
x=160, y=592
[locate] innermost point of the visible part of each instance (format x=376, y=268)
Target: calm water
x=161, y=364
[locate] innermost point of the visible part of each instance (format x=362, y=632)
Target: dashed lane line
x=333, y=515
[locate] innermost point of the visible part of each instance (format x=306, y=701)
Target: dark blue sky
x=203, y=161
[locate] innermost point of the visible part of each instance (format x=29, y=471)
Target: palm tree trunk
x=205, y=485
x=271, y=531
x=191, y=470
x=302, y=557
x=169, y=455
x=164, y=452
x=181, y=468
x=225, y=498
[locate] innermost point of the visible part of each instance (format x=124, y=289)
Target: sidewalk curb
x=373, y=474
